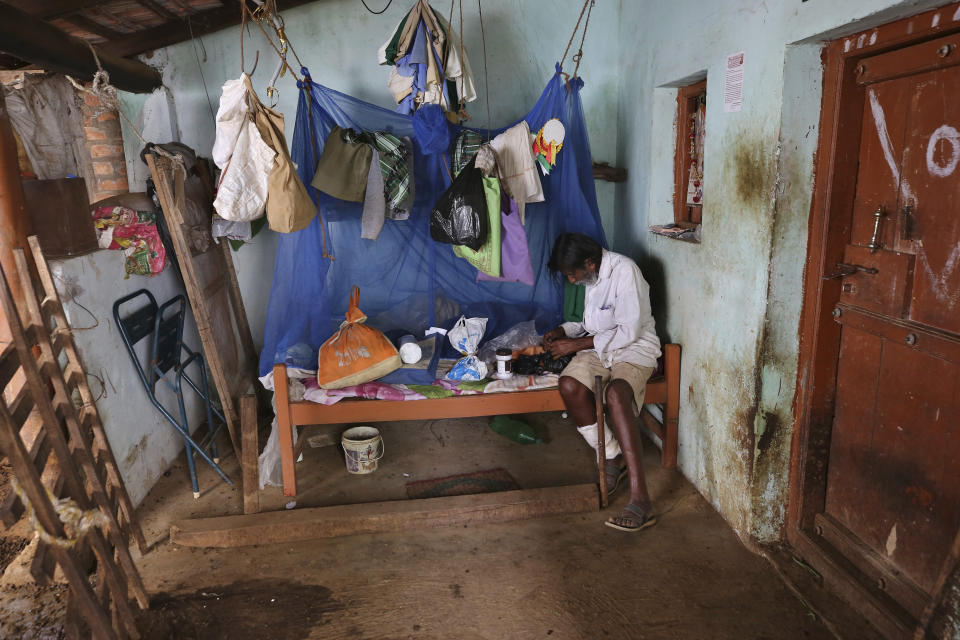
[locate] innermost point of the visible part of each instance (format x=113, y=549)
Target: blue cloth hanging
x=407, y=281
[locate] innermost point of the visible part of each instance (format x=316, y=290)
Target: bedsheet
x=440, y=389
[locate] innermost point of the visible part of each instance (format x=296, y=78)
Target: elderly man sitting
x=617, y=341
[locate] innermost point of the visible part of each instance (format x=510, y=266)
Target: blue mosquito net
x=408, y=282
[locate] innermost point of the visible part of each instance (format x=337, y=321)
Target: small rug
x=489, y=481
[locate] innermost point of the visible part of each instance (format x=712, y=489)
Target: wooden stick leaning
x=601, y=440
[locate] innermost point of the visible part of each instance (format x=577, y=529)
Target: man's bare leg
x=620, y=402
x=580, y=404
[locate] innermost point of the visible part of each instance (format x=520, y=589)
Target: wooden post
x=281, y=390
x=601, y=441
x=14, y=224
x=671, y=410
x=249, y=448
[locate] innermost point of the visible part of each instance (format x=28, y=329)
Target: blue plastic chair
x=166, y=350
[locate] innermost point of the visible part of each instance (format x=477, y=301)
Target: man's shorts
x=586, y=365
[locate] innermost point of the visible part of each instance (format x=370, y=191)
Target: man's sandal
x=615, y=473
x=631, y=519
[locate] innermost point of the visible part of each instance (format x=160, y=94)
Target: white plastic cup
x=409, y=349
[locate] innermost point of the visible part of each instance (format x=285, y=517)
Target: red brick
x=117, y=185
x=94, y=133
x=107, y=116
x=104, y=168
x=104, y=150
x=91, y=100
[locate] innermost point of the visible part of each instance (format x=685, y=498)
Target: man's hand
x=552, y=335
x=565, y=346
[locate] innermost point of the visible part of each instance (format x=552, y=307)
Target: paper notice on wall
x=733, y=83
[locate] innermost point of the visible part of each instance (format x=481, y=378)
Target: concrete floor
x=558, y=577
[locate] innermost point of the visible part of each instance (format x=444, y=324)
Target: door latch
x=906, y=211
x=845, y=269
x=875, y=240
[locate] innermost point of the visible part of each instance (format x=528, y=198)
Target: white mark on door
x=951, y=136
x=956, y=14
x=887, y=145
x=860, y=40
x=892, y=541
x=940, y=284
x=935, y=21
x=873, y=38
x=846, y=46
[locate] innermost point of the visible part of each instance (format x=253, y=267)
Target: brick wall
x=107, y=169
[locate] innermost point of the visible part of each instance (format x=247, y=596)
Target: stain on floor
x=244, y=610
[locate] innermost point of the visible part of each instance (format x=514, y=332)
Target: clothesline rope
x=486, y=76
x=579, y=53
x=108, y=98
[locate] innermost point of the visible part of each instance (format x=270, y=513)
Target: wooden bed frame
x=663, y=390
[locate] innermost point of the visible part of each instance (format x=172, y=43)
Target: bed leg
x=282, y=396
x=671, y=411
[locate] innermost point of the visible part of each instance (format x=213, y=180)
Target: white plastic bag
x=519, y=336
x=465, y=337
x=269, y=464
x=242, y=155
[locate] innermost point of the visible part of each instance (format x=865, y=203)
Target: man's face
x=585, y=275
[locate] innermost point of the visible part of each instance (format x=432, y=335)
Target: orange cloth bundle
x=356, y=353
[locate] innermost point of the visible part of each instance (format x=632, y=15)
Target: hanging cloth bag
x=289, y=206
x=242, y=155
x=461, y=215
x=356, y=353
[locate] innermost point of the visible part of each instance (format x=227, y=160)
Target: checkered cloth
x=393, y=163
x=465, y=147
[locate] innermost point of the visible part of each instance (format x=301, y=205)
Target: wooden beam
x=14, y=221
x=48, y=9
x=158, y=9
x=31, y=39
x=376, y=517
x=92, y=26
x=603, y=171
x=165, y=35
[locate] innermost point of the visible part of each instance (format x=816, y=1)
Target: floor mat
x=489, y=481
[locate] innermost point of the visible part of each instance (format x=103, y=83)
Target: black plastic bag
x=460, y=216
x=541, y=363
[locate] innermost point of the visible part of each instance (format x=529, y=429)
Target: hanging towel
x=402, y=212
x=515, y=265
x=573, y=301
x=518, y=170
x=464, y=148
x=397, y=176
x=455, y=68
x=343, y=167
x=487, y=257
x=374, y=202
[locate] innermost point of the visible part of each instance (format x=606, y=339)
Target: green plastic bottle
x=516, y=430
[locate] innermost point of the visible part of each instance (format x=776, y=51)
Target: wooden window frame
x=685, y=215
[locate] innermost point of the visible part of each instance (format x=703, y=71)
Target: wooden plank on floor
x=250, y=450
x=380, y=517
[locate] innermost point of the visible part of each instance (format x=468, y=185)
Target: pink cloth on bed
x=400, y=392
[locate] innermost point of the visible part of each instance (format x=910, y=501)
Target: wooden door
x=211, y=283
x=891, y=503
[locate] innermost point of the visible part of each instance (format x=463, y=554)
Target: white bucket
x=362, y=447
